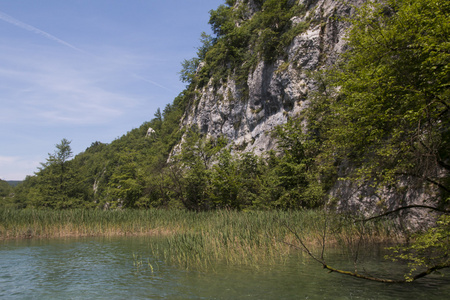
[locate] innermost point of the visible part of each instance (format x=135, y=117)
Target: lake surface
x=123, y=268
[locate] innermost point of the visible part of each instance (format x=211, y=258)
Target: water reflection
x=105, y=268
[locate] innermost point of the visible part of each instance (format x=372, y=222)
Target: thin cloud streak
x=152, y=82
x=9, y=19
x=61, y=92
x=20, y=24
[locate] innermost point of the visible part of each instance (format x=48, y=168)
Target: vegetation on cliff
x=242, y=39
x=382, y=114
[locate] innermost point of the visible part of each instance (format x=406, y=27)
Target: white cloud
x=72, y=81
x=17, y=168
x=151, y=82
x=61, y=89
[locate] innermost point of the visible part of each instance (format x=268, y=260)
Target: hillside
x=281, y=111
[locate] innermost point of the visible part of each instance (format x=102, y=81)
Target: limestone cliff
x=276, y=89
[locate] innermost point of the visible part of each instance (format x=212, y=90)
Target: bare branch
x=437, y=183
x=404, y=208
x=356, y=274
x=431, y=270
x=303, y=245
x=442, y=164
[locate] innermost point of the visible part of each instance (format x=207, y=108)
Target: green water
x=123, y=268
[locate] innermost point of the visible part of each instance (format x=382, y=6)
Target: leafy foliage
x=5, y=192
x=381, y=115
x=386, y=106
x=190, y=67
x=242, y=39
x=57, y=184
x=430, y=248
x=134, y=172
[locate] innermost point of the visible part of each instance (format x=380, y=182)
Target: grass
x=30, y=223
x=255, y=238
x=196, y=240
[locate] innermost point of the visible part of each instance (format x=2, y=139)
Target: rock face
x=369, y=201
x=279, y=90
x=276, y=90
x=150, y=132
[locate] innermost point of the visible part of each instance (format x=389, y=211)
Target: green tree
x=195, y=161
x=296, y=172
x=226, y=182
x=58, y=184
x=126, y=185
x=389, y=109
x=5, y=188
x=189, y=67
x=254, y=190
x=5, y=192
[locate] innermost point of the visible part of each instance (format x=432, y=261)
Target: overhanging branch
x=356, y=274
x=432, y=181
x=404, y=208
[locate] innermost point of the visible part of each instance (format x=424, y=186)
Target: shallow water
x=122, y=268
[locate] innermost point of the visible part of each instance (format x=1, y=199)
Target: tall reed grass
x=261, y=237
x=30, y=223
x=195, y=240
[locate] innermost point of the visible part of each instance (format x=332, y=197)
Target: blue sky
x=88, y=70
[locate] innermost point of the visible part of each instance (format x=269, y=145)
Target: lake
x=123, y=268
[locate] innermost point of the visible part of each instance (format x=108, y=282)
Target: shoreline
x=154, y=232
x=197, y=240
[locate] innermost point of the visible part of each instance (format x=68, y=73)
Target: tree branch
x=431, y=270
x=403, y=208
x=427, y=178
x=437, y=183
x=356, y=274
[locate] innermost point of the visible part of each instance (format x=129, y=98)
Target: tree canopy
x=385, y=106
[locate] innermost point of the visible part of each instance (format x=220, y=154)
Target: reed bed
x=30, y=223
x=257, y=238
x=198, y=240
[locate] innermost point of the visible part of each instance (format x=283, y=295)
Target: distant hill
x=13, y=182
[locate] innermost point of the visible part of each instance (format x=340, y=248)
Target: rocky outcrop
x=279, y=90
x=367, y=200
x=150, y=132
x=276, y=90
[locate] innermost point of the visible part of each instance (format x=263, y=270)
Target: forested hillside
x=376, y=115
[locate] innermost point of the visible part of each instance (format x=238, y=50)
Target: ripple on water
x=102, y=268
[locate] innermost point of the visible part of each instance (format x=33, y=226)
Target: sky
x=88, y=70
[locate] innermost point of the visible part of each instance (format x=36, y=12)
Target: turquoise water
x=123, y=268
